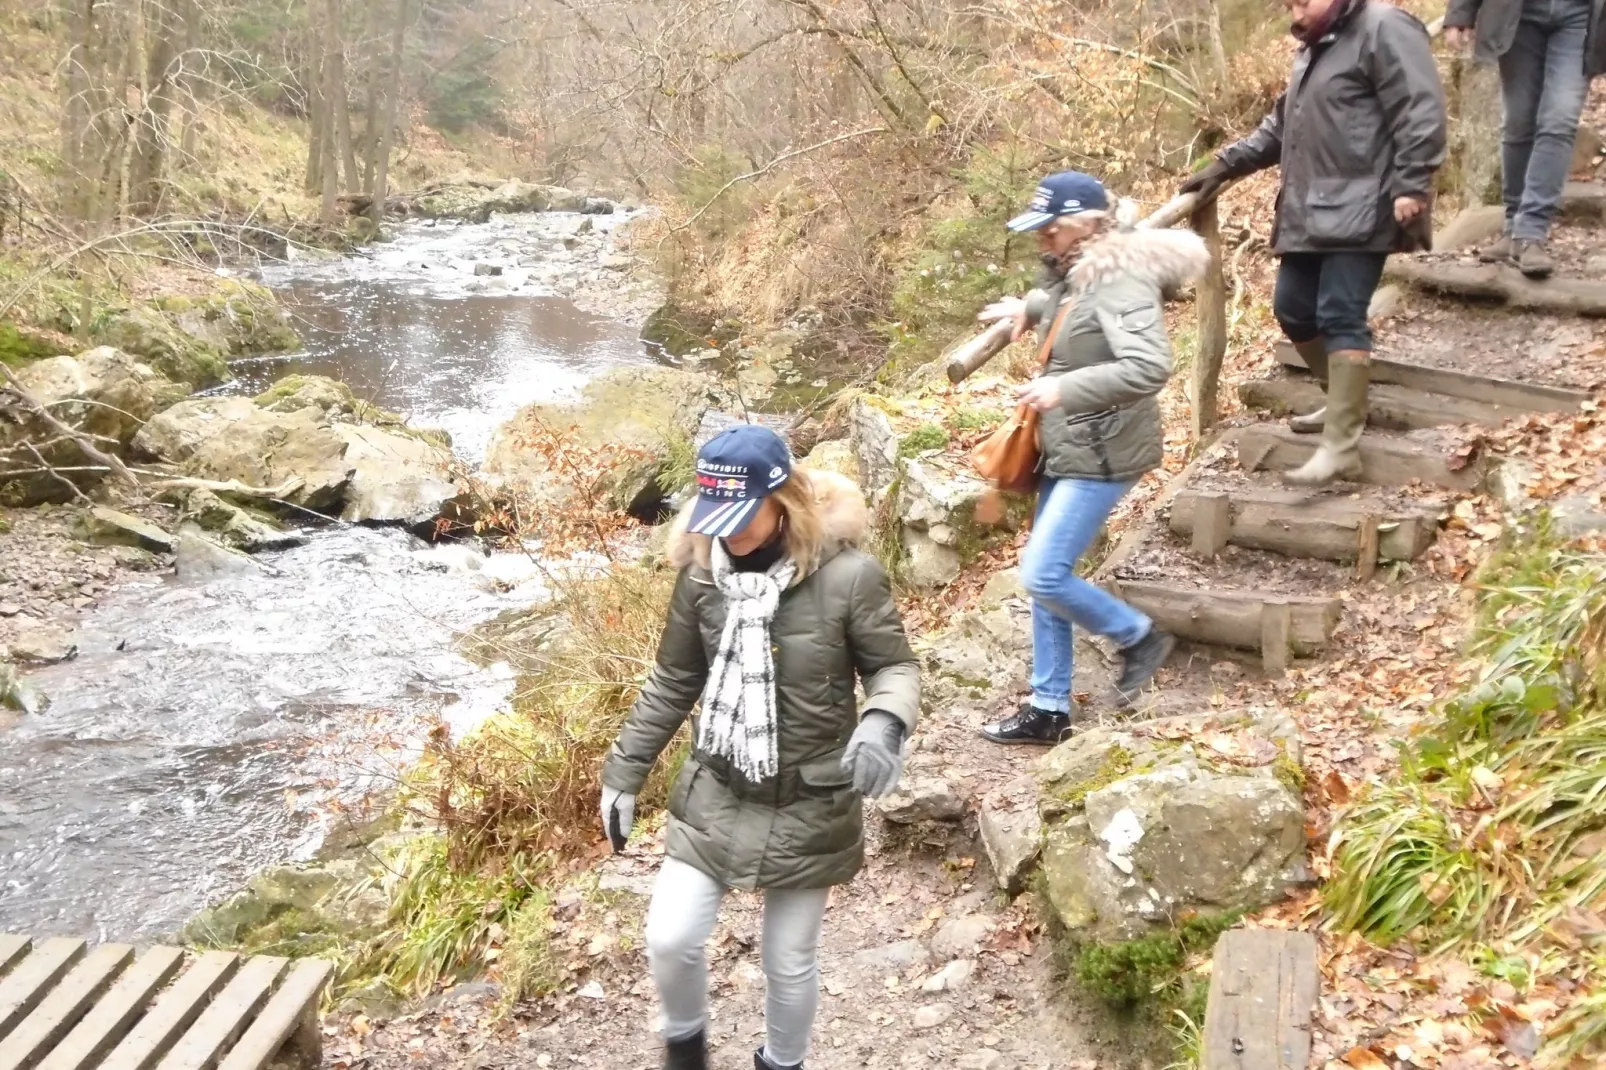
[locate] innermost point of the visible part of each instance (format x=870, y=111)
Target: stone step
x=1301, y=523
x=1397, y=408
x=1387, y=459
x=1584, y=202
x=1276, y=624
x=1505, y=393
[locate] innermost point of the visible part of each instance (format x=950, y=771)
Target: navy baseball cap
x=1063, y=193
x=736, y=470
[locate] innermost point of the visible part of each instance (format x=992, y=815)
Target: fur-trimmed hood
x=843, y=517
x=1168, y=257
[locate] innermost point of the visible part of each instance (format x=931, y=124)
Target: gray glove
x=875, y=754
x=618, y=814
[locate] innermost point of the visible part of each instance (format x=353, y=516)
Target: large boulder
x=1146, y=823
x=233, y=438
x=155, y=338
x=242, y=318
x=627, y=425
x=103, y=392
x=395, y=477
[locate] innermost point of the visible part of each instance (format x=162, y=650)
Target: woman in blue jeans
x=1100, y=309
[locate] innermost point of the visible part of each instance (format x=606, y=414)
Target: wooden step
x=1397, y=408
x=1264, y=986
x=1501, y=282
x=1274, y=624
x=1386, y=460
x=1505, y=393
x=1301, y=523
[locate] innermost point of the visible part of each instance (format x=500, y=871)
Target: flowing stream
x=209, y=728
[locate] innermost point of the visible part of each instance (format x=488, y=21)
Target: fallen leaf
x=1365, y=1059
x=1335, y=788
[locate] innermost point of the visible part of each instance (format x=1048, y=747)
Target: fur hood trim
x=1168, y=257
x=843, y=514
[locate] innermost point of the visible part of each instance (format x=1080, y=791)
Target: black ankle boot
x=1030, y=725
x=760, y=1062
x=688, y=1054
x=1141, y=660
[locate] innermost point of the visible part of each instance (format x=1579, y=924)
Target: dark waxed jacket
x=1110, y=354
x=833, y=627
x=1495, y=25
x=1361, y=123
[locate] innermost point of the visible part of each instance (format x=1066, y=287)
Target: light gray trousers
x=679, y=921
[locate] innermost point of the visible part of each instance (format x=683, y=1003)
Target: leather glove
x=618, y=814
x=875, y=754
x=1207, y=181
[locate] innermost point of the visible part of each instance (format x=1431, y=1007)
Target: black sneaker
x=1030, y=725
x=688, y=1054
x=761, y=1062
x=1142, y=660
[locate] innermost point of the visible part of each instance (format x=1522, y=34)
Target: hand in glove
x=875, y=754
x=618, y=814
x=1207, y=181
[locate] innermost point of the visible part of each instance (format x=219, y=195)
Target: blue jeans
x=1542, y=86
x=1070, y=513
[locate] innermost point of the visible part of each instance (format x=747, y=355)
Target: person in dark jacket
x=1358, y=133
x=1547, y=50
x=1100, y=309
x=774, y=619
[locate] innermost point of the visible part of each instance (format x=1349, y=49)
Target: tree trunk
x=135, y=71
x=75, y=115
x=1473, y=173
x=370, y=110
x=314, y=82
x=398, y=41
x=328, y=159
x=191, y=85
x=337, y=93
x=152, y=125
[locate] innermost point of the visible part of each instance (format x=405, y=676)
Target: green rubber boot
x=1339, y=455
x=1314, y=353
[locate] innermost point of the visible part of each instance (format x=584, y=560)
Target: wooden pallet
x=66, y=1006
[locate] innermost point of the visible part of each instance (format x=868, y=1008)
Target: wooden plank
x=292, y=1010
x=63, y=1006
x=1212, y=523
x=1276, y=626
x=1528, y=397
x=1299, y=523
x=1397, y=408
x=1263, y=989
x=173, y=1012
x=13, y=949
x=1366, y=540
x=1231, y=617
x=116, y=1012
x=226, y=1017
x=1385, y=460
x=26, y=985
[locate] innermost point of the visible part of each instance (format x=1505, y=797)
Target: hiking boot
x=1532, y=259
x=688, y=1054
x=1141, y=660
x=1314, y=354
x=762, y=1062
x=1497, y=251
x=1339, y=455
x=1030, y=725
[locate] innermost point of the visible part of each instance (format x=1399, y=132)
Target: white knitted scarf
x=738, y=721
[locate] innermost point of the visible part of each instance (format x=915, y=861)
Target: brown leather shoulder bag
x=1010, y=457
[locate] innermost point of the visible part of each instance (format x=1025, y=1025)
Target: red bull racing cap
x=736, y=470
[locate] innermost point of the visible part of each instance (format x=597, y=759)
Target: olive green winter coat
x=834, y=627
x=1111, y=355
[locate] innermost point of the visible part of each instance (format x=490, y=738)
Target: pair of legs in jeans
x=1542, y=87
x=1070, y=513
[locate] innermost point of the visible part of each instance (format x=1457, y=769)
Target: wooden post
x=1212, y=524
x=1366, y=549
x=1276, y=627
x=1263, y=989
x=1211, y=303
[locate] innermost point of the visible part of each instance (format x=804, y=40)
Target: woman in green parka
x=775, y=617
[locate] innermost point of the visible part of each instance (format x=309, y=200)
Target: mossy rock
x=336, y=401
x=148, y=334
x=20, y=345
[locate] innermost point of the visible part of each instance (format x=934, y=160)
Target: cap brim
x=721, y=518
x=1030, y=221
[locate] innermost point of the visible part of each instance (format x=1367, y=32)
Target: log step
x=1397, y=408
x=1504, y=393
x=1584, y=201
x=1299, y=523
x=1386, y=460
x=1501, y=282
x=1275, y=624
